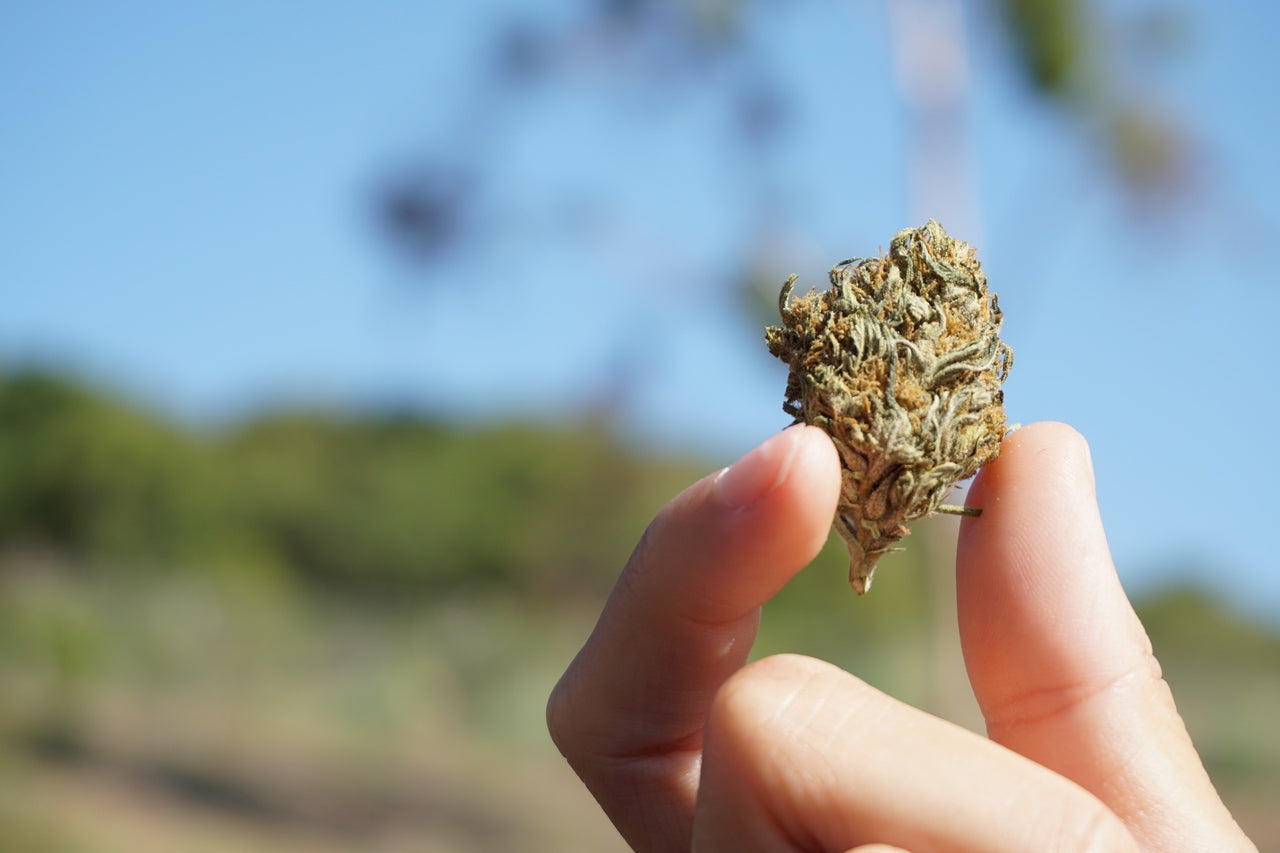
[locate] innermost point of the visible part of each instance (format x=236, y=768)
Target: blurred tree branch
x=640, y=51
x=1070, y=56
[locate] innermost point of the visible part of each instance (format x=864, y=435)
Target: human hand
x=686, y=748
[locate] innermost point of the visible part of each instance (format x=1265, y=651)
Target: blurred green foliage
x=1079, y=55
x=1051, y=41
x=89, y=474
x=378, y=506
x=191, y=621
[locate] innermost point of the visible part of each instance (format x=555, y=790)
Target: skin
x=685, y=747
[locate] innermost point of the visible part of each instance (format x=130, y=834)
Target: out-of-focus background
x=345, y=352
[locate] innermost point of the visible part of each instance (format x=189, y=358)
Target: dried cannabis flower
x=900, y=362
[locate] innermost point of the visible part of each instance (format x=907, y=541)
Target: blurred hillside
x=388, y=507
x=329, y=631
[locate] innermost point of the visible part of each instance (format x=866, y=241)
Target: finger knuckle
x=759, y=701
x=1093, y=828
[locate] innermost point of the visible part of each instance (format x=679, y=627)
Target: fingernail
x=759, y=472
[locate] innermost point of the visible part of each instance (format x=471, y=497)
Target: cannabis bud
x=900, y=362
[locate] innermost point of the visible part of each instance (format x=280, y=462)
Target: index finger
x=629, y=711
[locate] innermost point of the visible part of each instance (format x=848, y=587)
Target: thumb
x=1060, y=664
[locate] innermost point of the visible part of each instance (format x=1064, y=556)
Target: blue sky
x=184, y=216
